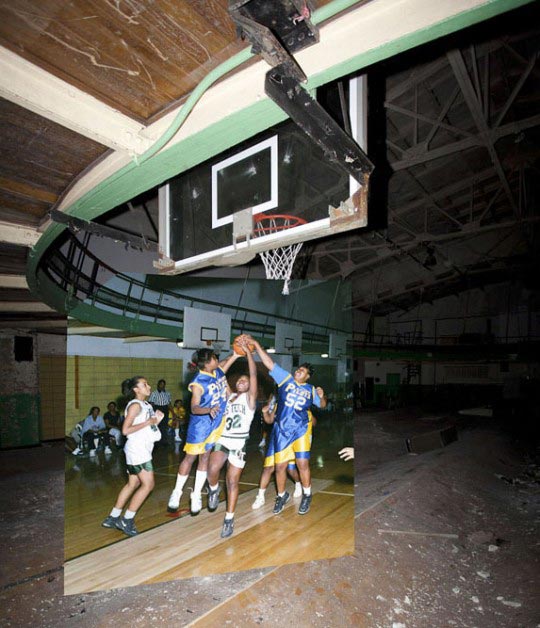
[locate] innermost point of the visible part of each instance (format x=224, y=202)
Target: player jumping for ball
x=290, y=438
x=230, y=447
x=209, y=397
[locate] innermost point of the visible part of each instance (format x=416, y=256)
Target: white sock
x=261, y=492
x=177, y=432
x=213, y=488
x=229, y=515
x=180, y=481
x=281, y=494
x=200, y=479
x=297, y=485
x=116, y=512
x=130, y=514
x=307, y=491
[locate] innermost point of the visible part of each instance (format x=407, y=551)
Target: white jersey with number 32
x=238, y=418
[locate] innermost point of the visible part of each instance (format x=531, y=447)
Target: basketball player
x=140, y=427
x=230, y=447
x=208, y=400
x=290, y=438
x=269, y=413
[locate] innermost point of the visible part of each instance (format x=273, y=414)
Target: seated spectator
x=113, y=421
x=178, y=421
x=76, y=435
x=92, y=428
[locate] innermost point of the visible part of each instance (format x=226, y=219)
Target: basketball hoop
x=279, y=262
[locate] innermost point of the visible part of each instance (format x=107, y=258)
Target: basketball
x=238, y=349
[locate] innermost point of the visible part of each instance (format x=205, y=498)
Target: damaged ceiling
x=454, y=136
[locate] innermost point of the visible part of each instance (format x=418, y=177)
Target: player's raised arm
x=252, y=392
x=225, y=364
x=265, y=358
x=322, y=398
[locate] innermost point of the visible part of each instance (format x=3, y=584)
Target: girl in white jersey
x=140, y=427
x=231, y=444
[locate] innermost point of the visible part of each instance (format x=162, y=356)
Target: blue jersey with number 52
x=294, y=400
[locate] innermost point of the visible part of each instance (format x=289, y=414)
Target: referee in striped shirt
x=160, y=399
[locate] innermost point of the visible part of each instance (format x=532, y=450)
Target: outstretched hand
x=347, y=453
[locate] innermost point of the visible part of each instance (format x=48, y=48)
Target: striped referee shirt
x=160, y=398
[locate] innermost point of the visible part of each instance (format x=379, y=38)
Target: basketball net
x=278, y=263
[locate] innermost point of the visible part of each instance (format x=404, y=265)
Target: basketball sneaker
x=305, y=504
x=280, y=502
x=174, y=501
x=196, y=503
x=127, y=526
x=110, y=522
x=77, y=451
x=297, y=489
x=228, y=528
x=258, y=503
x=213, y=499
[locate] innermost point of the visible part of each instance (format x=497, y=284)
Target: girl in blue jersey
x=209, y=394
x=290, y=438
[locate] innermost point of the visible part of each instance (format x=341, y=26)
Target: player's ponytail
x=202, y=357
x=129, y=384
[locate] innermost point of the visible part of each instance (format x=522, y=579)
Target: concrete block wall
x=96, y=380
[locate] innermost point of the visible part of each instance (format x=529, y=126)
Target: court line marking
x=380, y=501
x=256, y=484
x=246, y=588
x=336, y=493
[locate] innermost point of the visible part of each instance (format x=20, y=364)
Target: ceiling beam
x=34, y=323
x=13, y=281
x=517, y=89
x=473, y=103
x=24, y=306
x=434, y=123
x=30, y=87
x=26, y=191
x=469, y=142
x=18, y=234
x=469, y=231
x=89, y=330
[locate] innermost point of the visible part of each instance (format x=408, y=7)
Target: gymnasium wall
x=95, y=381
x=19, y=394
x=51, y=368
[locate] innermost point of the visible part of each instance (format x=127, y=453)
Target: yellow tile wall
x=52, y=392
x=100, y=379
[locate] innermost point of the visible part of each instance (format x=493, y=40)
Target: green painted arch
x=153, y=169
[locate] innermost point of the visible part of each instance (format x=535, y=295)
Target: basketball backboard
x=337, y=346
x=204, y=328
x=288, y=338
x=205, y=212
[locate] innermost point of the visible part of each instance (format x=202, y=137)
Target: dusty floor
x=445, y=538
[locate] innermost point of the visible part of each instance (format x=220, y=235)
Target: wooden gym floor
x=174, y=546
